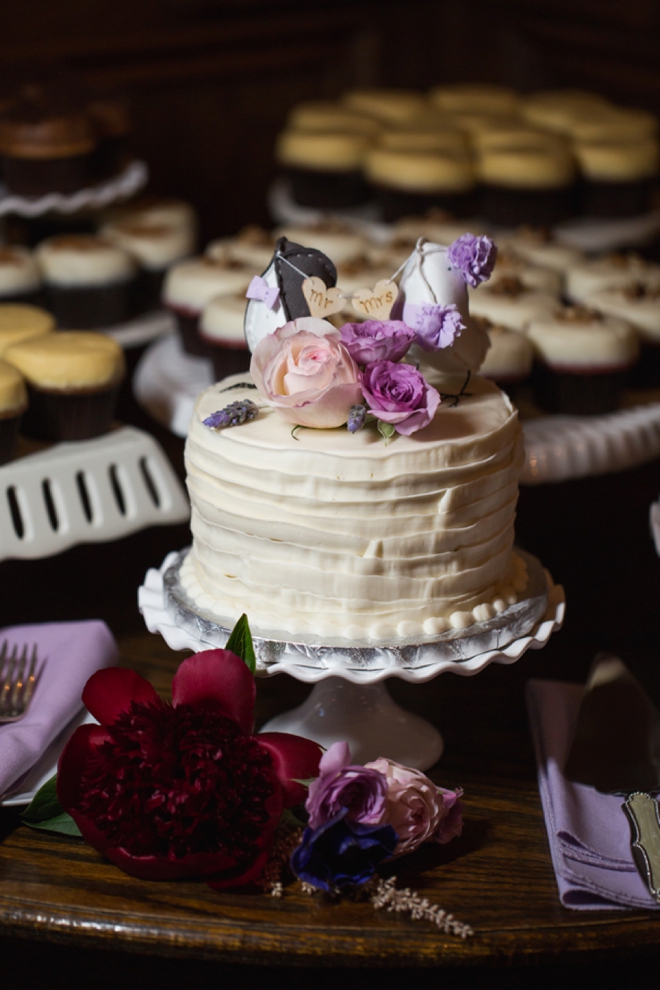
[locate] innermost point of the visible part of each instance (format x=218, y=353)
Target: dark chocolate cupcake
x=112, y=127
x=155, y=247
x=221, y=327
x=13, y=403
x=88, y=280
x=413, y=182
x=45, y=146
x=618, y=178
x=73, y=382
x=530, y=185
x=325, y=169
x=583, y=360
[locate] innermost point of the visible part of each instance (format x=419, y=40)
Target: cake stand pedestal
x=350, y=700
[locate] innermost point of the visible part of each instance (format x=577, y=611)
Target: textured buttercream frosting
x=222, y=320
x=190, y=284
x=330, y=534
x=153, y=244
x=576, y=339
x=82, y=260
x=68, y=360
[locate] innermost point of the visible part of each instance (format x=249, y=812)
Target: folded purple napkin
x=68, y=654
x=588, y=831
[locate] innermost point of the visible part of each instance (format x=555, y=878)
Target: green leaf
x=240, y=643
x=62, y=824
x=46, y=812
x=386, y=430
x=304, y=783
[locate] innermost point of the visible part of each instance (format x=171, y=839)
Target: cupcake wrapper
x=58, y=416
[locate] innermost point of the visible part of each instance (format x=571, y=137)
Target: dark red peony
x=183, y=789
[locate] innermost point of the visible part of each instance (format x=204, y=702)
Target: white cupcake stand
x=350, y=700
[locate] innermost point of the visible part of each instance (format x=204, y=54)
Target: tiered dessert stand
x=349, y=700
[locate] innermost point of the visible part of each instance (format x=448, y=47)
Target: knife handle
x=643, y=815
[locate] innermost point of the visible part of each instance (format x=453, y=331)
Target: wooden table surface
x=62, y=906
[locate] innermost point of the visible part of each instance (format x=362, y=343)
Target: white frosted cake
x=324, y=533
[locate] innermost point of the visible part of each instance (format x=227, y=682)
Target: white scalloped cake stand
x=121, y=186
x=350, y=701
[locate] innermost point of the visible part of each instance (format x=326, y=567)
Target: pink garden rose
x=305, y=371
x=399, y=394
x=417, y=809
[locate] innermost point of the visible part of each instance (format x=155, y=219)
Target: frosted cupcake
x=510, y=304
x=20, y=321
x=88, y=280
x=20, y=280
x=13, y=403
x=221, y=328
x=618, y=178
x=338, y=240
x=638, y=303
x=583, y=360
x=476, y=98
x=154, y=246
x=527, y=185
x=324, y=169
x=407, y=182
x=190, y=285
x=391, y=106
x=325, y=116
x=540, y=248
x=510, y=265
x=73, y=381
x=252, y=246
x=509, y=359
x=609, y=271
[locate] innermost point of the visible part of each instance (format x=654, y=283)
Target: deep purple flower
x=342, y=854
x=376, y=340
x=358, y=791
x=474, y=257
x=399, y=394
x=435, y=326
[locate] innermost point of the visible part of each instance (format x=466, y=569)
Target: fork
x=17, y=681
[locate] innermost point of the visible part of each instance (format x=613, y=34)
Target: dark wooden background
x=210, y=81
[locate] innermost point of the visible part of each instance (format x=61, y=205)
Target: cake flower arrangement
x=317, y=376
x=186, y=790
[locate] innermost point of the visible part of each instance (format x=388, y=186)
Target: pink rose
x=417, y=809
x=305, y=371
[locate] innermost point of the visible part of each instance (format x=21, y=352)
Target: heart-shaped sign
x=376, y=303
x=321, y=300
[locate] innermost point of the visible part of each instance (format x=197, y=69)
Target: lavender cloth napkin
x=68, y=654
x=588, y=831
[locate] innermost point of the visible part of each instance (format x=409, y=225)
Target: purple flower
x=400, y=395
x=474, y=257
x=342, y=853
x=435, y=326
x=376, y=340
x=355, y=790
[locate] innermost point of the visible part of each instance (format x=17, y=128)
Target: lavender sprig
x=235, y=414
x=357, y=417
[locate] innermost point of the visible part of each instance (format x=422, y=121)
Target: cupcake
x=510, y=265
x=527, y=185
x=509, y=359
x=618, y=178
x=88, y=280
x=476, y=98
x=507, y=302
x=154, y=246
x=408, y=182
x=612, y=124
x=609, y=271
x=177, y=213
x=221, y=328
x=537, y=246
x=638, y=303
x=583, y=360
x=390, y=106
x=324, y=116
x=556, y=109
x=45, y=147
x=325, y=169
x=13, y=403
x=73, y=381
x=20, y=321
x=20, y=279
x=190, y=284
x=447, y=139
x=252, y=246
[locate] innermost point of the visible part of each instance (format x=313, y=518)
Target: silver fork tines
x=17, y=681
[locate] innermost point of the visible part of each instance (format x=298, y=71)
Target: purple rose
x=355, y=790
x=435, y=326
x=376, y=340
x=474, y=257
x=342, y=853
x=400, y=395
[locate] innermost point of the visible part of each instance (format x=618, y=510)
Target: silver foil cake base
x=456, y=647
